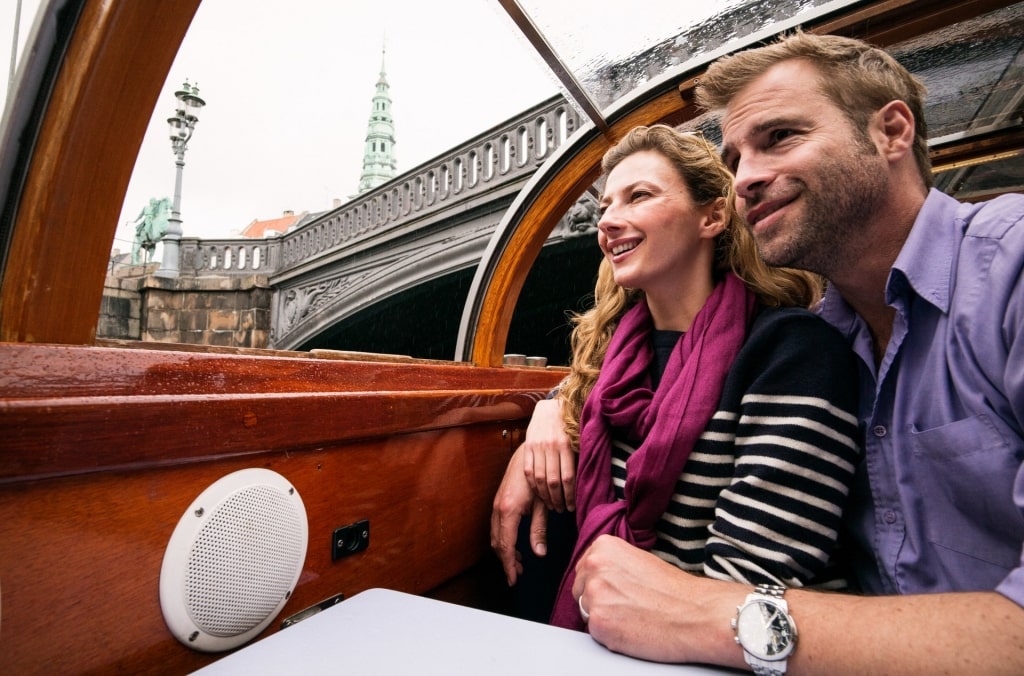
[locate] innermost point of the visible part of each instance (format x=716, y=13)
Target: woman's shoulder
x=772, y=316
x=793, y=326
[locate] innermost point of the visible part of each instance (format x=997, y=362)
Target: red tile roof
x=259, y=229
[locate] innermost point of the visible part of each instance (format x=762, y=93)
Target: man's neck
x=862, y=281
x=868, y=301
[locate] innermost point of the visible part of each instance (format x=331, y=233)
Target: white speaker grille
x=233, y=560
x=243, y=561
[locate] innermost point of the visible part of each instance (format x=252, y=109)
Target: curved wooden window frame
x=89, y=135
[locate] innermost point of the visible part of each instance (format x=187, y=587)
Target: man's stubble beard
x=826, y=235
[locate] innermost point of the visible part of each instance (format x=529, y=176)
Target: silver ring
x=583, y=613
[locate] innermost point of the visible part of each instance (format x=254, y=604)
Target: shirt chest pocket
x=965, y=472
x=958, y=440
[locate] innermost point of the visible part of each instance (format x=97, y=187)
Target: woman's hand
x=549, y=461
x=514, y=500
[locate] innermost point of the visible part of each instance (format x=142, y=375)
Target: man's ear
x=895, y=124
x=717, y=219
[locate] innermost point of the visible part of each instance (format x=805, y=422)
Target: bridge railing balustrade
x=502, y=155
x=228, y=256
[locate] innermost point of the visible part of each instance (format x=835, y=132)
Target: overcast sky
x=288, y=86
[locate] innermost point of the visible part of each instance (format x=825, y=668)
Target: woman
x=715, y=417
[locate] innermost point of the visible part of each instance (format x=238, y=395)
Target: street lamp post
x=182, y=124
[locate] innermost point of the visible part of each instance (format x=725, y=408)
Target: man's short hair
x=856, y=76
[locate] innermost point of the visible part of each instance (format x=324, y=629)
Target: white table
x=380, y=631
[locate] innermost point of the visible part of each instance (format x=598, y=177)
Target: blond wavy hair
x=707, y=180
x=854, y=75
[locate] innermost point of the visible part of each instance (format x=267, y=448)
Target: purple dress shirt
x=938, y=503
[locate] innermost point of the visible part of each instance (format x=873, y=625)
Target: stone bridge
x=430, y=222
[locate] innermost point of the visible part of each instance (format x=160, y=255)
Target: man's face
x=807, y=183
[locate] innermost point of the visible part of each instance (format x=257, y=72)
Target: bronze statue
x=150, y=227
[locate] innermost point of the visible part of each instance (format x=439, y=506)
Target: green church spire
x=379, y=165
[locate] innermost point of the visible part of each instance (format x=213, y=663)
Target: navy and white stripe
x=760, y=499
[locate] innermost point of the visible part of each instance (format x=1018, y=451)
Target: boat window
x=313, y=121
x=974, y=73
x=335, y=289
x=973, y=70
x=348, y=188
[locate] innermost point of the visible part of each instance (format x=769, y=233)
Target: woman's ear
x=716, y=220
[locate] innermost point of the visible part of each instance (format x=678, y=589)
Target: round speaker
x=233, y=560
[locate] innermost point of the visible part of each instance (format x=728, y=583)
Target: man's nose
x=750, y=177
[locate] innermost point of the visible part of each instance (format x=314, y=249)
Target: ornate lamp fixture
x=181, y=126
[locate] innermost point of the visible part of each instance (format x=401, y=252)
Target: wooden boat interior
x=105, y=444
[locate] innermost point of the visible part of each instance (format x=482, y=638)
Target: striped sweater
x=760, y=499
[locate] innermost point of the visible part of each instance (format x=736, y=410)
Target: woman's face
x=655, y=236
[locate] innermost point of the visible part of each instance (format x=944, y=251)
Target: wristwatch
x=765, y=630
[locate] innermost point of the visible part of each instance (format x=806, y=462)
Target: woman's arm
x=549, y=461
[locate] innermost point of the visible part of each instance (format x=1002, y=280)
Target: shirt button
x=879, y=430
x=889, y=516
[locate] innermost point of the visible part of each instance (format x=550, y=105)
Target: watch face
x=765, y=630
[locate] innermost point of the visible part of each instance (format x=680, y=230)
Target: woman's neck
x=674, y=310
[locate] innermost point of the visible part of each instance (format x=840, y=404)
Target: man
x=826, y=138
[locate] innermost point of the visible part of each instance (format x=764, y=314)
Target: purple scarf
x=663, y=426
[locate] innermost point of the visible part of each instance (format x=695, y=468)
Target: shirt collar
x=925, y=262
x=834, y=309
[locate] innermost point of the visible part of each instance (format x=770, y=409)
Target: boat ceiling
x=973, y=69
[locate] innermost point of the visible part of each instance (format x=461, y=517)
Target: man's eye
x=780, y=135
x=639, y=194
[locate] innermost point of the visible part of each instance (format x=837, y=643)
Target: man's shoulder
x=995, y=218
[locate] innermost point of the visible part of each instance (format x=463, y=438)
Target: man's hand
x=645, y=607
x=642, y=606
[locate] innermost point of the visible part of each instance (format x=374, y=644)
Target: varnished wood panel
x=80, y=556
x=71, y=410
x=46, y=437
x=102, y=449
x=28, y=370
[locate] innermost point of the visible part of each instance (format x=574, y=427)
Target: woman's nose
x=608, y=219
